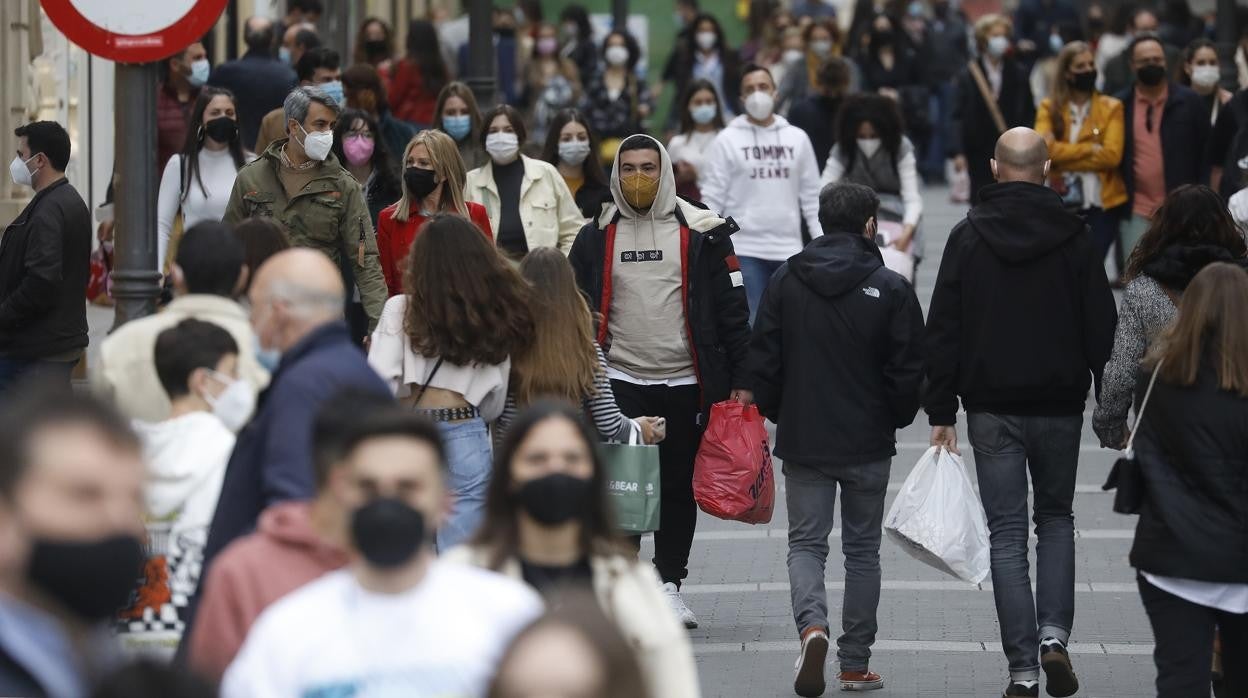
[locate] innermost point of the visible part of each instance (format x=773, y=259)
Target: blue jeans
x=1104, y=227
x=1006, y=448
x=53, y=374
x=469, y=463
x=940, y=107
x=810, y=494
x=757, y=273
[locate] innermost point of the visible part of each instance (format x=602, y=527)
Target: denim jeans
x=13, y=372
x=940, y=107
x=1104, y=226
x=757, y=273
x=810, y=494
x=469, y=461
x=1006, y=448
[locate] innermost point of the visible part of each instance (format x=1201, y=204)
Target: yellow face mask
x=639, y=190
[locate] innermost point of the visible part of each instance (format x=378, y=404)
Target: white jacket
x=767, y=180
x=548, y=211
x=630, y=595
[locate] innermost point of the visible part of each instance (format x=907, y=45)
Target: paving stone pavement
x=937, y=636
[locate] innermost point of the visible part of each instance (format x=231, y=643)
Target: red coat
x=394, y=239
x=410, y=99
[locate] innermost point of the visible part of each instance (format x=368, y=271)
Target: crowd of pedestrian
x=357, y=450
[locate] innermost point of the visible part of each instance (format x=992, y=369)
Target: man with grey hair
x=296, y=312
x=835, y=361
x=1021, y=325
x=299, y=182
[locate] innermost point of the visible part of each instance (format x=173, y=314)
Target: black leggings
x=1183, y=633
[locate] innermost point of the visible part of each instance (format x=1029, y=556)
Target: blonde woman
x=433, y=183
x=1084, y=130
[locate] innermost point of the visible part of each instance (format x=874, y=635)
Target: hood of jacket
x=181, y=454
x=743, y=122
x=836, y=263
x=1020, y=221
x=665, y=202
x=290, y=524
x=1177, y=263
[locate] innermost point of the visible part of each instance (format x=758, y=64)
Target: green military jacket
x=329, y=215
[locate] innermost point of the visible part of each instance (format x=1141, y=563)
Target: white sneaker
x=677, y=604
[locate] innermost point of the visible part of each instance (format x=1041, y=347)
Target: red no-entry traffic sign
x=133, y=31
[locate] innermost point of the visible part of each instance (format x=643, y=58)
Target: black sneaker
x=1019, y=690
x=1060, y=680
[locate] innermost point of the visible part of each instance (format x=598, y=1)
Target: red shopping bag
x=732, y=476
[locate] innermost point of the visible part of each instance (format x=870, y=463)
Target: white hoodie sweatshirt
x=765, y=178
x=186, y=458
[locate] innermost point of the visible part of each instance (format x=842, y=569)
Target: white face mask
x=573, y=152
x=316, y=144
x=793, y=55
x=706, y=40
x=617, y=55
x=235, y=404
x=869, y=146
x=998, y=45
x=502, y=147
x=199, y=72
x=823, y=49
x=759, y=105
x=21, y=175
x=1206, y=75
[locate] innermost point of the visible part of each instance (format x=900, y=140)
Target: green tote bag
x=633, y=484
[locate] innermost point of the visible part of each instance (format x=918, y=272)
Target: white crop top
x=391, y=355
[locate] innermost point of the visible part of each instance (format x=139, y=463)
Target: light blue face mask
x=703, y=114
x=283, y=55
x=270, y=359
x=457, y=127
x=334, y=91
x=199, y=72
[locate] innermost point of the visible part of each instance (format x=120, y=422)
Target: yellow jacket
x=1104, y=127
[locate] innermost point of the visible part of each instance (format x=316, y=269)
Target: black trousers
x=1183, y=653
x=678, y=514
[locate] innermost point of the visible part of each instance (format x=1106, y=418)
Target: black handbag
x=1125, y=478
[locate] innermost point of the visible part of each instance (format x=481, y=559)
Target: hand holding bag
x=633, y=484
x=732, y=475
x=1125, y=477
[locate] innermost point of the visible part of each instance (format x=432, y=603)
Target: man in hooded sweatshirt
x=1020, y=326
x=761, y=171
x=836, y=362
x=186, y=455
x=663, y=276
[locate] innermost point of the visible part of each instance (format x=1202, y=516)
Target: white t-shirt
x=218, y=172
x=442, y=639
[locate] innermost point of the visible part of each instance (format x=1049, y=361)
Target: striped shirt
x=612, y=425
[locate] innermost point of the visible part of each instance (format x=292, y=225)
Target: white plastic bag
x=938, y=519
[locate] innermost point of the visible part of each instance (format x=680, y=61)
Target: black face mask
x=375, y=48
x=554, y=499
x=387, y=532
x=1084, y=82
x=222, y=129
x=94, y=579
x=1151, y=75
x=420, y=182
x=882, y=38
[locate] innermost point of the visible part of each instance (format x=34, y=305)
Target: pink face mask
x=358, y=149
x=547, y=45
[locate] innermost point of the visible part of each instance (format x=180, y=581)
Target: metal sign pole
x=136, y=281
x=481, y=64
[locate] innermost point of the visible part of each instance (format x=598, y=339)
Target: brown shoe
x=1060, y=680
x=860, y=680
x=809, y=682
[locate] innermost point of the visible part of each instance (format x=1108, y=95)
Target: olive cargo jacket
x=329, y=215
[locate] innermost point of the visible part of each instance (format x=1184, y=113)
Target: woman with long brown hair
x=445, y=349
x=564, y=361
x=433, y=183
x=1191, y=446
x=547, y=523
x=1191, y=229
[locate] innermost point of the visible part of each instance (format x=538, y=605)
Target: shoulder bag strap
x=1139, y=416
x=425, y=386
x=986, y=92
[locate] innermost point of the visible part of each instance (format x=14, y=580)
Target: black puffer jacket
x=836, y=356
x=1192, y=446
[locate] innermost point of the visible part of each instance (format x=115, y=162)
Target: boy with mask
x=71, y=487
x=673, y=323
x=396, y=621
x=186, y=457
x=761, y=170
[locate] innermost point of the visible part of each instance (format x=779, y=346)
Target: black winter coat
x=1192, y=447
x=836, y=356
x=1185, y=133
x=45, y=262
x=974, y=133
x=1022, y=318
x=716, y=311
